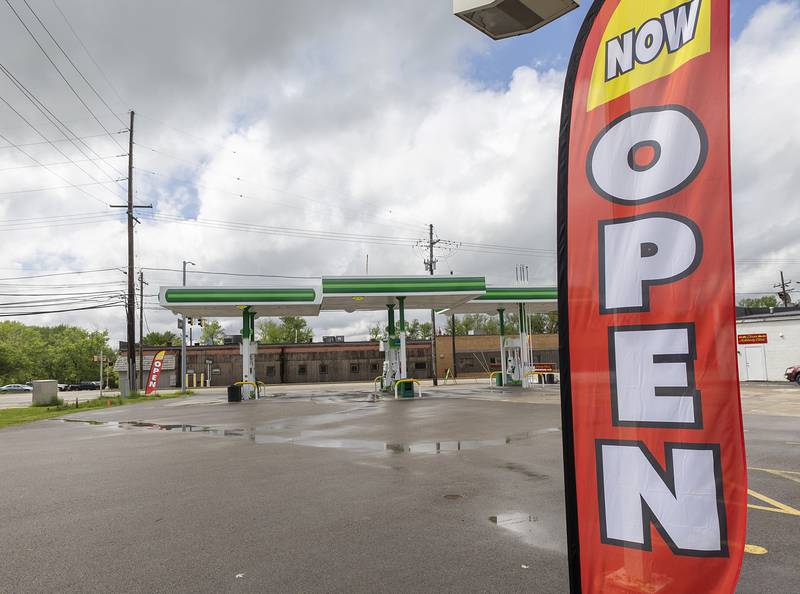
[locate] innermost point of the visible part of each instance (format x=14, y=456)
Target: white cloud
x=361, y=122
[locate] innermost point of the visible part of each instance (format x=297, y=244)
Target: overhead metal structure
x=535, y=300
x=376, y=293
x=516, y=354
x=446, y=294
x=228, y=302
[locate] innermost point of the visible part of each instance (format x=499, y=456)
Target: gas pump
x=515, y=368
x=391, y=362
x=394, y=353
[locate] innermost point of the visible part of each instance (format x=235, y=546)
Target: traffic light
x=189, y=321
x=201, y=322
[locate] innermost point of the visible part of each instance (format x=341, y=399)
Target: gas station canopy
x=217, y=302
x=374, y=293
x=535, y=300
x=446, y=294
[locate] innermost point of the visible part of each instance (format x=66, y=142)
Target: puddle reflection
x=311, y=439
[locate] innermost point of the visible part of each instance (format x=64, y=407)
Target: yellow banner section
x=645, y=41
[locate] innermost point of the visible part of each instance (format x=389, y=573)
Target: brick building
x=476, y=354
x=338, y=362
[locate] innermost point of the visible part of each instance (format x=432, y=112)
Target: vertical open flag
x=654, y=460
x=155, y=371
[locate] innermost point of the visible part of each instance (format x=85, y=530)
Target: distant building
x=331, y=361
x=768, y=341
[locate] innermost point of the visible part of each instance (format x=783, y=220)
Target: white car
x=9, y=388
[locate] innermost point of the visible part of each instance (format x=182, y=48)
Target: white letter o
x=679, y=146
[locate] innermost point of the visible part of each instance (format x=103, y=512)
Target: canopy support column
x=248, y=349
x=501, y=311
x=402, y=312
x=523, y=340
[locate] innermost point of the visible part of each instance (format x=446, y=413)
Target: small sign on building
x=752, y=338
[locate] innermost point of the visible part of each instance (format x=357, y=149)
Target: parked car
x=83, y=386
x=62, y=387
x=15, y=388
x=793, y=374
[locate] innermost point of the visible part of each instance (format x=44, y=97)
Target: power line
x=17, y=314
x=72, y=272
x=351, y=212
x=88, y=53
x=87, y=137
x=69, y=135
x=207, y=272
x=35, y=160
x=62, y=153
x=57, y=163
x=66, y=55
x=32, y=190
x=61, y=74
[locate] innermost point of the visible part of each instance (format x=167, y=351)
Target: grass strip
x=29, y=414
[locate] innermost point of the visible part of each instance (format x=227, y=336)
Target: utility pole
x=784, y=292
x=183, y=335
x=131, y=309
x=430, y=264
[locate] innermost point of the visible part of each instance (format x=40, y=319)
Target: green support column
x=403, y=360
x=501, y=311
x=402, y=310
x=246, y=323
x=392, y=330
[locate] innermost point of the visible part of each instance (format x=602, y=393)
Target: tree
x=161, y=339
x=64, y=353
x=416, y=330
x=763, y=301
x=376, y=333
x=290, y=330
x=213, y=333
x=490, y=325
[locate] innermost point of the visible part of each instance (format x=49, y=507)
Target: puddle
x=313, y=439
x=524, y=526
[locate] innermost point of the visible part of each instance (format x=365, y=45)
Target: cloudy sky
x=295, y=138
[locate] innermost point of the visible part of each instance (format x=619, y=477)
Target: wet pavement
x=318, y=489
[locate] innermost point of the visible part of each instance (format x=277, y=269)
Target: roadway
x=318, y=489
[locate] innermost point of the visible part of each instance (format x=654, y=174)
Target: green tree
x=288, y=330
x=213, y=333
x=490, y=325
x=161, y=339
x=376, y=333
x=763, y=301
x=64, y=353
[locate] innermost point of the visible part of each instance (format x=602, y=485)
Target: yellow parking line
x=777, y=506
x=787, y=474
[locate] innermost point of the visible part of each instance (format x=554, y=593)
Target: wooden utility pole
x=131, y=302
x=431, y=265
x=131, y=287
x=784, y=293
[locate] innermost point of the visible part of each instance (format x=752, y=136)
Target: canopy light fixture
x=500, y=19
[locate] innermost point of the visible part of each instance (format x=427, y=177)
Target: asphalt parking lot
x=318, y=489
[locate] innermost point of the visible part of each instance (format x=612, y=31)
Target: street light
x=500, y=19
x=183, y=335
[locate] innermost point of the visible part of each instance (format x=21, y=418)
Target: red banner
x=155, y=371
x=655, y=471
